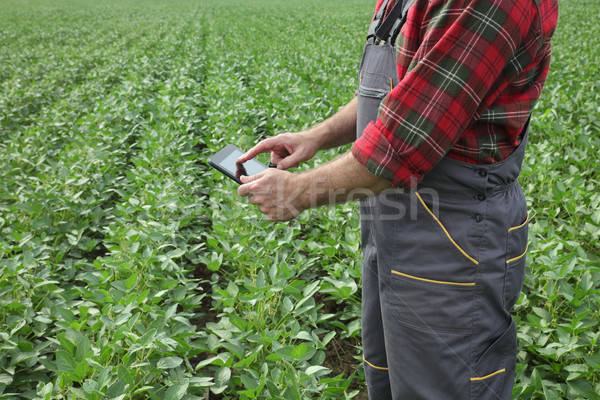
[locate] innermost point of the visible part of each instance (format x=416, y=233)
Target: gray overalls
x=443, y=266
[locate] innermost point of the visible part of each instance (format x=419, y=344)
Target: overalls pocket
x=374, y=85
x=516, y=249
x=454, y=244
x=494, y=367
x=432, y=305
x=376, y=78
x=433, y=278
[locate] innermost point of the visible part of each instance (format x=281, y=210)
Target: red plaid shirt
x=470, y=74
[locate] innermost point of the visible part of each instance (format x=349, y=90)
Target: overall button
x=477, y=217
x=482, y=172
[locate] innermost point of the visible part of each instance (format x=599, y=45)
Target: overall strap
x=388, y=28
x=398, y=21
x=377, y=19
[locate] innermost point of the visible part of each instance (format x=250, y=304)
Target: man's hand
x=281, y=195
x=275, y=194
x=290, y=149
x=287, y=149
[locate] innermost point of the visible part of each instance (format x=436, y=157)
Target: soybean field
x=129, y=269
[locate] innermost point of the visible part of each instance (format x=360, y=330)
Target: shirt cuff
x=375, y=152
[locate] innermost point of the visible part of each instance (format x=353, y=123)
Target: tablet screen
x=249, y=168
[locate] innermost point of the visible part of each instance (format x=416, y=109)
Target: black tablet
x=225, y=161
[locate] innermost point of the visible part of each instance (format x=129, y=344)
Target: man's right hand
x=287, y=149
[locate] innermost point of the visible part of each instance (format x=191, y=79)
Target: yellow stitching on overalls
x=391, y=84
x=520, y=226
x=374, y=366
x=433, y=281
x=518, y=257
x=490, y=375
x=474, y=261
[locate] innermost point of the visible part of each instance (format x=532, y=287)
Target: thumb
x=247, y=179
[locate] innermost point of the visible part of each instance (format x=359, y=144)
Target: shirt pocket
x=516, y=250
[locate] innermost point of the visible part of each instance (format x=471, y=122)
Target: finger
x=276, y=158
x=247, y=179
x=289, y=162
x=261, y=147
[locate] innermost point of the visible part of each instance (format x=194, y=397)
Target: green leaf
x=232, y=289
x=327, y=338
x=550, y=394
x=222, y=377
x=249, y=382
x=239, y=322
x=303, y=335
x=178, y=390
x=287, y=305
x=235, y=347
x=201, y=382
x=301, y=352
x=20, y=357
x=316, y=369
x=84, y=347
x=104, y=378
x=545, y=315
x=65, y=361
x=169, y=362
x=6, y=379
x=177, y=253
x=582, y=387
x=215, y=262
x=117, y=389
x=125, y=375
x=593, y=361
x=81, y=370
x=354, y=328
x=44, y=390
x=536, y=379
x=311, y=289
x=131, y=281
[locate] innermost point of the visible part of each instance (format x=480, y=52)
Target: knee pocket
x=494, y=371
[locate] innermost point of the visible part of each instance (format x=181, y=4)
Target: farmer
x=439, y=125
